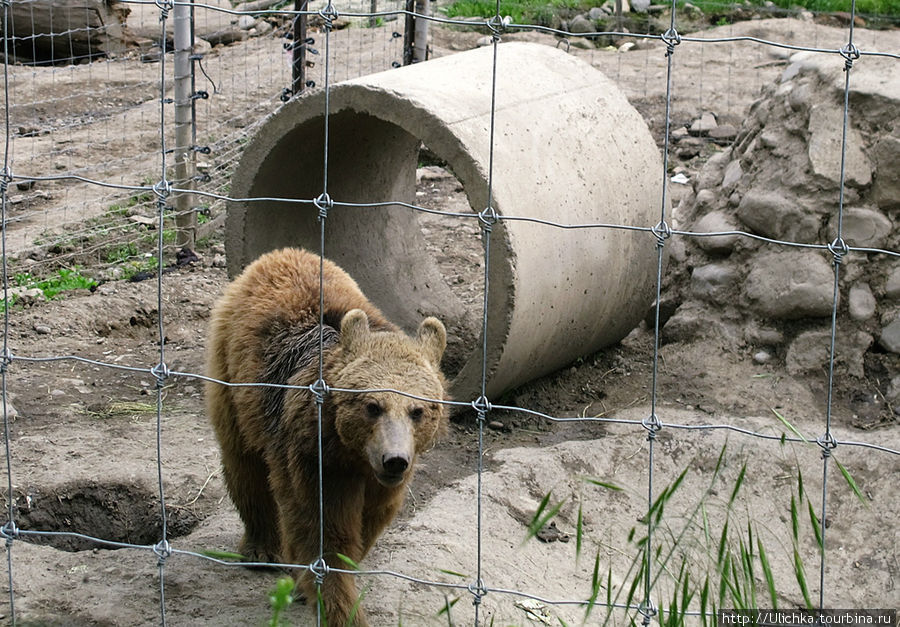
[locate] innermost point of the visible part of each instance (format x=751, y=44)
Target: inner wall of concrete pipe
x=383, y=248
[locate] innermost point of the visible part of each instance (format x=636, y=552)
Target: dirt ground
x=83, y=439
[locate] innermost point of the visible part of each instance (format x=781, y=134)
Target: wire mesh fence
x=119, y=210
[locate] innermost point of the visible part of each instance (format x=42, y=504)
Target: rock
x=723, y=132
x=711, y=174
x=580, y=24
x=890, y=336
x=704, y=124
x=487, y=40
x=705, y=198
x=219, y=261
x=811, y=352
x=861, y=302
x=628, y=45
x=716, y=222
x=886, y=190
x=762, y=357
x=691, y=321
x=893, y=391
x=866, y=228
x=892, y=285
x=732, y=176
x=201, y=47
x=42, y=329
x=763, y=336
x=826, y=133
x=715, y=281
x=640, y=6
x=790, y=285
x=598, y=13
x=246, y=22
x=777, y=215
x=496, y=425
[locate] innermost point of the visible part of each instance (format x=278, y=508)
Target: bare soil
x=84, y=439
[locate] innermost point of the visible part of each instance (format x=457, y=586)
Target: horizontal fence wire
x=159, y=192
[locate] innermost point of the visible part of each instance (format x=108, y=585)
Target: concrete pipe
x=567, y=148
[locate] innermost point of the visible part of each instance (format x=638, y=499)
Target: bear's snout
x=395, y=465
x=391, y=448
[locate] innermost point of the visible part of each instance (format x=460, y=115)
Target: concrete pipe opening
x=568, y=148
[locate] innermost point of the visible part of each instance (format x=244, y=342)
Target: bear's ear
x=432, y=337
x=354, y=329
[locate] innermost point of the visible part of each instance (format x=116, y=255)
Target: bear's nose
x=396, y=465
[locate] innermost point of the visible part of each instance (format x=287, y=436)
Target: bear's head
x=389, y=430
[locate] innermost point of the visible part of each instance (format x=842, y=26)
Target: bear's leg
x=300, y=532
x=246, y=477
x=248, y=486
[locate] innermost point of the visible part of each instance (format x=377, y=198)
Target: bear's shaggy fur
x=266, y=329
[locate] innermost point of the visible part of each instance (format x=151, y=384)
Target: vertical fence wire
x=160, y=371
x=323, y=203
x=838, y=249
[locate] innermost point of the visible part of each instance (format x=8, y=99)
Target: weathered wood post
x=185, y=217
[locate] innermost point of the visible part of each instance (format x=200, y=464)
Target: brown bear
x=265, y=329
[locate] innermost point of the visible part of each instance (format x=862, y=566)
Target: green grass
x=521, y=11
x=541, y=12
x=65, y=279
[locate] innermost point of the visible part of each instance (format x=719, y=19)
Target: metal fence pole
x=420, y=38
x=185, y=218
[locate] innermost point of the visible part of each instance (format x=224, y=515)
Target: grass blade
x=348, y=561
x=602, y=484
x=800, y=574
x=851, y=483
x=817, y=529
x=789, y=425
x=541, y=518
x=595, y=587
x=795, y=523
x=737, y=485
x=579, y=534
x=767, y=573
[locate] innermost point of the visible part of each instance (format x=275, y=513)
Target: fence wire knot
x=478, y=591
x=5, y=360
x=161, y=372
x=662, y=231
x=329, y=14
x=9, y=531
x=488, y=217
x=323, y=203
x=319, y=569
x=838, y=248
x=164, y=7
x=671, y=38
x=652, y=424
x=850, y=53
x=481, y=405
x=163, y=550
x=647, y=610
x=497, y=25
x=827, y=444
x=319, y=390
x=162, y=190
x=6, y=178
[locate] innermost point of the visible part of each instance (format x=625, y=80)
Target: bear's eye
x=373, y=409
x=416, y=413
